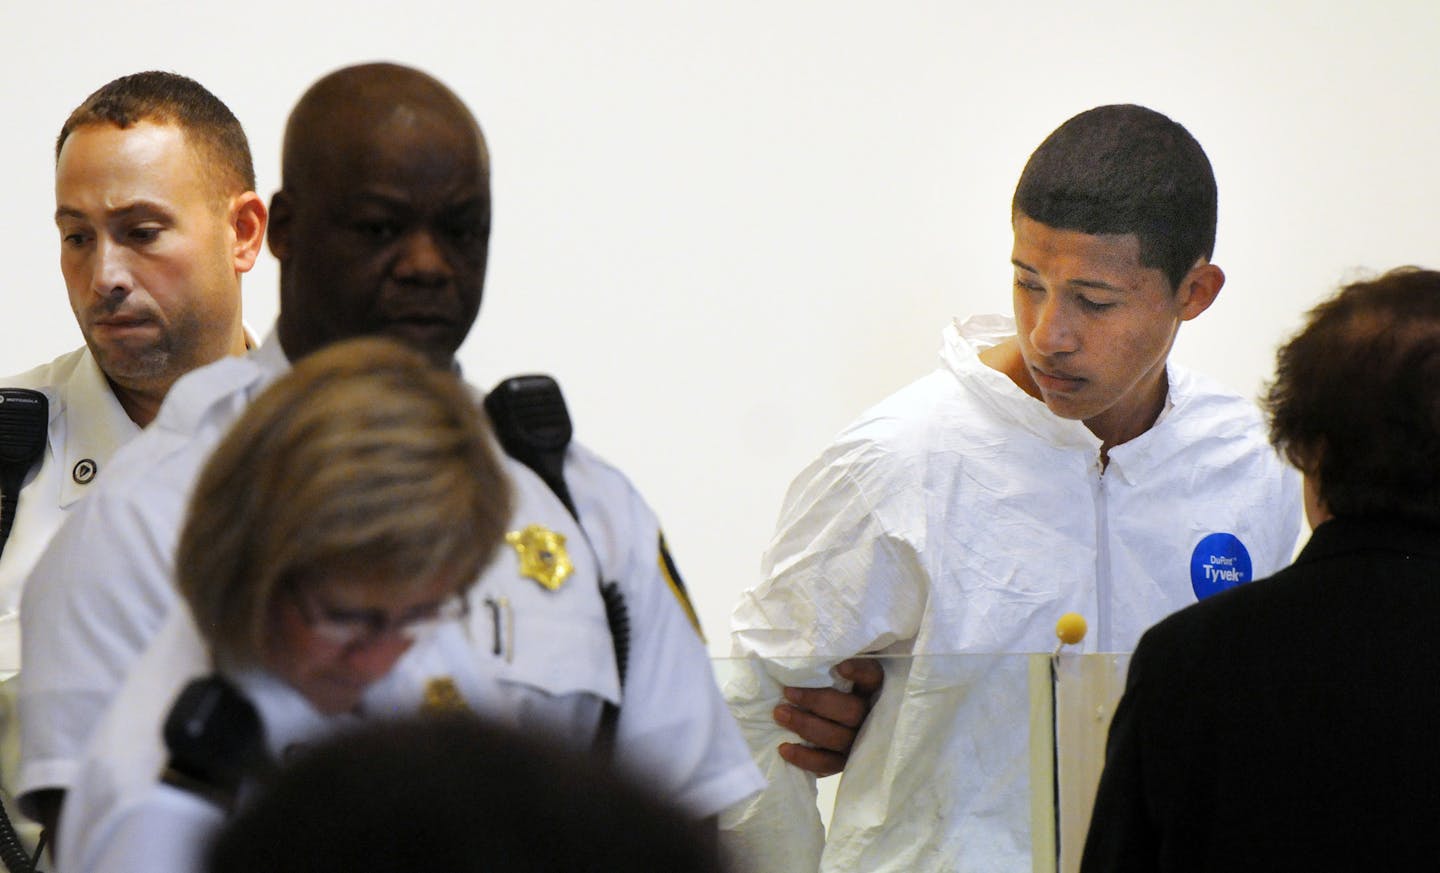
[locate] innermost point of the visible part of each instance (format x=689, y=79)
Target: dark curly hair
x=1356, y=399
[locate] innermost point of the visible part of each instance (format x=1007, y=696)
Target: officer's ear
x=247, y=221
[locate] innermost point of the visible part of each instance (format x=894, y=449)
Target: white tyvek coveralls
x=961, y=516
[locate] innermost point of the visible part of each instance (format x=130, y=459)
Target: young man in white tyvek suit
x=1053, y=463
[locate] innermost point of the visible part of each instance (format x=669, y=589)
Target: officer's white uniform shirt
x=101, y=588
x=119, y=817
x=554, y=654
x=961, y=516
x=87, y=425
x=549, y=650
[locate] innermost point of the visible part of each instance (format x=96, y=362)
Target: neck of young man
x=1117, y=427
x=1114, y=427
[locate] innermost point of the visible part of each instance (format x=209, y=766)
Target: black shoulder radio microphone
x=24, y=424
x=533, y=425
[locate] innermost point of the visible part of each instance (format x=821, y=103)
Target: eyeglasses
x=356, y=627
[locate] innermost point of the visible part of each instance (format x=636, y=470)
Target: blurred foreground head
x=452, y=794
x=361, y=486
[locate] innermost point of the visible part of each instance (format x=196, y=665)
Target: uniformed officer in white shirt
x=158, y=220
x=382, y=227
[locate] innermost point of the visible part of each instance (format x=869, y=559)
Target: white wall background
x=729, y=227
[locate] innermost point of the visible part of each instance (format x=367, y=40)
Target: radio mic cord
x=12, y=853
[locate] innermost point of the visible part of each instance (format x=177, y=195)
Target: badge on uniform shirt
x=441, y=696
x=542, y=555
x=84, y=471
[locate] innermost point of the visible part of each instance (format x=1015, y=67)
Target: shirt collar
x=960, y=353
x=95, y=425
x=270, y=357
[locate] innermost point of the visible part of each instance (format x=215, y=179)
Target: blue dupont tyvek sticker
x=1219, y=562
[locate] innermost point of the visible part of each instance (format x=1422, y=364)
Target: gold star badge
x=542, y=555
x=441, y=695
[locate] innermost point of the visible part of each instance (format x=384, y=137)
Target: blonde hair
x=365, y=456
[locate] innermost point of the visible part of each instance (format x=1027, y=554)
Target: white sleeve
x=674, y=725
x=118, y=815
x=91, y=605
x=839, y=581
x=674, y=729
x=779, y=828
x=103, y=586
x=842, y=574
x=169, y=830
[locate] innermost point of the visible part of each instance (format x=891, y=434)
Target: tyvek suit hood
x=960, y=346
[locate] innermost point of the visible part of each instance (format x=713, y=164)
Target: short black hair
x=450, y=793
x=1356, y=398
x=1125, y=169
x=170, y=98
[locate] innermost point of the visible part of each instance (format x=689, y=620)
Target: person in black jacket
x=1290, y=724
